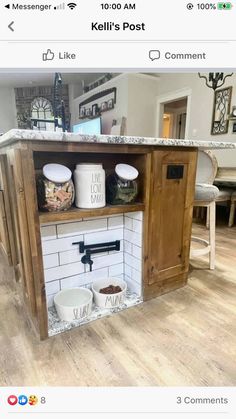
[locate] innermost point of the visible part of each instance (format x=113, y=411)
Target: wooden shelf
x=77, y=213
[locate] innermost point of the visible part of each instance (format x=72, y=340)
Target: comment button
x=154, y=54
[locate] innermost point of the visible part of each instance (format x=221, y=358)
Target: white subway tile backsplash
x=80, y=227
x=83, y=279
x=134, y=286
x=60, y=245
x=71, y=282
x=116, y=270
x=48, y=232
x=138, y=215
x=115, y=222
x=50, y=300
x=132, y=261
x=121, y=277
x=98, y=255
x=70, y=256
x=133, y=237
x=128, y=223
x=105, y=261
x=58, y=249
x=127, y=247
x=128, y=270
x=104, y=236
x=63, y=271
x=137, y=226
x=97, y=274
x=136, y=275
x=52, y=287
x=137, y=251
x=50, y=261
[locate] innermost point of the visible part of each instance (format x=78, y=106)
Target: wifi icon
x=71, y=5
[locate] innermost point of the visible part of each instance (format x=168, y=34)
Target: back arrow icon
x=10, y=26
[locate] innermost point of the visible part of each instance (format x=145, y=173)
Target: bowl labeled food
x=109, y=292
x=73, y=304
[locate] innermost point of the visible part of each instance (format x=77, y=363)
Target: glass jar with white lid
x=121, y=186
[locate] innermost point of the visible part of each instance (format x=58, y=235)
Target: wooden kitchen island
x=167, y=171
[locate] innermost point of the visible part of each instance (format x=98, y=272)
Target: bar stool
x=205, y=197
x=223, y=198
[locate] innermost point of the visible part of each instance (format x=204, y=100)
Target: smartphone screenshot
x=117, y=209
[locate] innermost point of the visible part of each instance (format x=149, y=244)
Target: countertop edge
x=31, y=135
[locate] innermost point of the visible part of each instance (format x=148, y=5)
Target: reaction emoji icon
x=22, y=400
x=33, y=400
x=12, y=400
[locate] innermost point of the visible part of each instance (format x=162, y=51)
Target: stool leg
x=231, y=215
x=208, y=218
x=202, y=211
x=197, y=212
x=212, y=225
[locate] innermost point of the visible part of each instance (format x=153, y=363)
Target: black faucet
x=87, y=259
x=90, y=249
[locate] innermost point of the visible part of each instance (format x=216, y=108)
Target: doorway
x=174, y=119
x=173, y=115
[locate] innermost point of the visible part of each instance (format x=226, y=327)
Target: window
x=41, y=109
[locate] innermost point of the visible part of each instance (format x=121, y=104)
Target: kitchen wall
x=121, y=107
x=7, y=109
x=136, y=101
x=142, y=98
x=201, y=110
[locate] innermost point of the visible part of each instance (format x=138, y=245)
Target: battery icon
x=224, y=6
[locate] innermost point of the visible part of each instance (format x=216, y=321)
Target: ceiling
x=24, y=79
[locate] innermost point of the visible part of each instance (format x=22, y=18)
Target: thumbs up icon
x=48, y=56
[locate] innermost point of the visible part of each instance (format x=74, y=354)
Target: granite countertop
x=30, y=135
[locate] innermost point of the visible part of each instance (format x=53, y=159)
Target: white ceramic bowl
x=109, y=300
x=73, y=304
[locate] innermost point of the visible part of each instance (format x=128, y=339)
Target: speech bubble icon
x=154, y=54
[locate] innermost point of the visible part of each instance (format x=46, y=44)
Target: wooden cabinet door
x=170, y=220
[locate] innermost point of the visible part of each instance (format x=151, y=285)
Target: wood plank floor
x=185, y=338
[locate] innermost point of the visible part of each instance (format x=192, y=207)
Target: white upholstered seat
x=206, y=192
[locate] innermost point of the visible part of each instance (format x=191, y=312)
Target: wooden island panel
x=170, y=222
x=166, y=205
